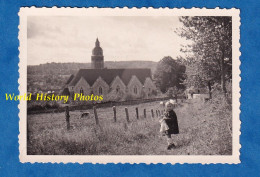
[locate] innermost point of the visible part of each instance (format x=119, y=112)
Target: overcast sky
x=71, y=39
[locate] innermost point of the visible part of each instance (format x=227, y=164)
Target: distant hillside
x=52, y=76
x=71, y=68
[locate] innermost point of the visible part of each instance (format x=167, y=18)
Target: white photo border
x=132, y=159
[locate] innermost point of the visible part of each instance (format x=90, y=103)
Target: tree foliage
x=169, y=73
x=173, y=92
x=211, y=50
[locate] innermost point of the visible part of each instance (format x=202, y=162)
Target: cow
x=84, y=114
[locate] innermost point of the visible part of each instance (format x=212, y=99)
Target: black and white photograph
x=129, y=85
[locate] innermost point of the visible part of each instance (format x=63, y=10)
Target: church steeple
x=97, y=43
x=97, y=58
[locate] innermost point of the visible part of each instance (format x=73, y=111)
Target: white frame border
x=148, y=159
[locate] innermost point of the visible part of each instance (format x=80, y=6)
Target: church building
x=135, y=83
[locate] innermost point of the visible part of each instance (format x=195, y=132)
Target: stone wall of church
x=149, y=87
x=117, y=90
x=118, y=86
x=134, y=87
x=82, y=87
x=100, y=87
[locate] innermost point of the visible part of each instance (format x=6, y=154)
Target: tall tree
x=211, y=47
x=169, y=73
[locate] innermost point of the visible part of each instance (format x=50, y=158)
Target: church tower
x=97, y=58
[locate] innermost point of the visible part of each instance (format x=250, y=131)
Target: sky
x=71, y=39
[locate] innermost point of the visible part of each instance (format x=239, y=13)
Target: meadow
x=205, y=129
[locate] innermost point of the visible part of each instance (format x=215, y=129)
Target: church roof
x=70, y=79
x=108, y=75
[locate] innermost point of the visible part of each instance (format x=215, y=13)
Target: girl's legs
x=170, y=141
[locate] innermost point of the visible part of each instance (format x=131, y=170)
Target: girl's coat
x=172, y=122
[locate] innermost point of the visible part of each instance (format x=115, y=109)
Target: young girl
x=169, y=124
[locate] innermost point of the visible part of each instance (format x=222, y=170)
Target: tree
x=211, y=48
x=170, y=92
x=173, y=91
x=169, y=73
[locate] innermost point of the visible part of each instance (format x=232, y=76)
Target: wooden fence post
x=114, y=109
x=67, y=114
x=137, y=115
x=152, y=113
x=127, y=115
x=144, y=113
x=95, y=114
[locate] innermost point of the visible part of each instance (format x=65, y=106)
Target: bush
x=128, y=97
x=42, y=105
x=115, y=96
x=154, y=93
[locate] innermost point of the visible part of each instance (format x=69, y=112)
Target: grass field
x=205, y=129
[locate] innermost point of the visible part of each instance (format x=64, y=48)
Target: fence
x=158, y=113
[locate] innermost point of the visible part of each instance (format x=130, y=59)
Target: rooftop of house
x=108, y=75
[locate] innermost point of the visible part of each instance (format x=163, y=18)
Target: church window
x=100, y=90
x=135, y=90
x=117, y=89
x=81, y=91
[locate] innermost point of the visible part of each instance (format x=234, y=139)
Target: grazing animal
x=84, y=114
